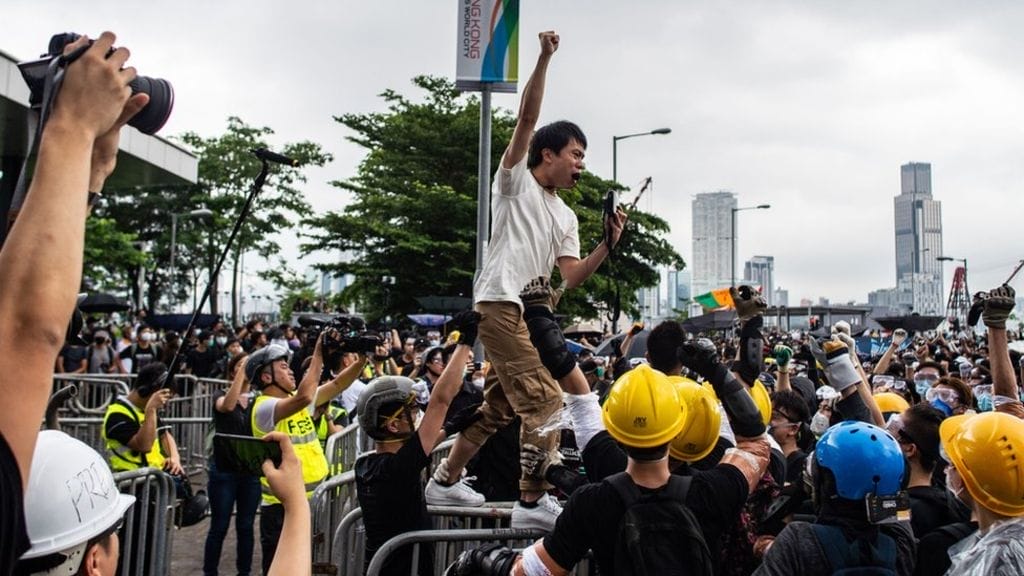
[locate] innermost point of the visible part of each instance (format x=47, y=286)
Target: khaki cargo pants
x=517, y=383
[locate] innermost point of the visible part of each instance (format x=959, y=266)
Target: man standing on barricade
x=288, y=408
x=533, y=230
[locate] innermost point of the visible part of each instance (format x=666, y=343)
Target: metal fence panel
x=146, y=535
x=331, y=501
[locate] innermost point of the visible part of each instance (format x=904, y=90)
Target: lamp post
x=732, y=236
x=615, y=147
x=197, y=213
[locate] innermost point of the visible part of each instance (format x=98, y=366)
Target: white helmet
x=71, y=495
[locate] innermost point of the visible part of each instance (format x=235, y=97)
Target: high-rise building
x=678, y=290
x=760, y=271
x=919, y=239
x=781, y=296
x=712, y=240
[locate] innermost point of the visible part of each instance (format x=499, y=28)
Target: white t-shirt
x=530, y=230
x=264, y=417
x=350, y=396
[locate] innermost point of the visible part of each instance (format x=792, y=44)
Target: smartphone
x=245, y=454
x=609, y=211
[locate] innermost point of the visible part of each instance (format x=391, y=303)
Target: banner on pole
x=488, y=45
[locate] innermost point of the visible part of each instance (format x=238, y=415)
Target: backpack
x=849, y=558
x=658, y=534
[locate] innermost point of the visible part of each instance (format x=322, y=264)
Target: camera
x=149, y=120
x=344, y=334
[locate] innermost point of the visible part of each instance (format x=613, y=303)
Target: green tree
x=109, y=256
x=413, y=214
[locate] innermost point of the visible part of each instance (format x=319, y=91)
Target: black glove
x=467, y=323
x=489, y=560
x=701, y=356
x=463, y=419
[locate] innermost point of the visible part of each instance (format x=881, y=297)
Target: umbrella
x=583, y=328
x=429, y=319
x=103, y=304
x=912, y=323
x=637, y=348
x=576, y=347
x=716, y=320
x=179, y=322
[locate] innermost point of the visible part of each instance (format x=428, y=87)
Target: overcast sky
x=809, y=106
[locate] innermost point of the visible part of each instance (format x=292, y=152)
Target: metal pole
x=615, y=159
x=732, y=247
x=174, y=240
x=483, y=193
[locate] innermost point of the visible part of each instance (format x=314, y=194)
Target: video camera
x=345, y=334
x=148, y=121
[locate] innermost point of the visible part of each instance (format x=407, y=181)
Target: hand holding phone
x=285, y=474
x=246, y=454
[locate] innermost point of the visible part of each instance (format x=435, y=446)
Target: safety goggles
x=945, y=394
x=929, y=378
x=410, y=405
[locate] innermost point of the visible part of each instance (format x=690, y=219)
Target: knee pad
x=547, y=338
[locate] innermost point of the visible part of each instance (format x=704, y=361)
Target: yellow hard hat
x=703, y=420
x=759, y=393
x=988, y=452
x=643, y=409
x=891, y=402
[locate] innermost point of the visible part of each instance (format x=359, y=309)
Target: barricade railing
x=146, y=535
x=349, y=542
x=331, y=501
x=440, y=452
x=343, y=449
x=448, y=544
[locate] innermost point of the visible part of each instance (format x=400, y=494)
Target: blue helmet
x=863, y=458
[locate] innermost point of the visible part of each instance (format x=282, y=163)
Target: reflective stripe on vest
x=121, y=457
x=299, y=427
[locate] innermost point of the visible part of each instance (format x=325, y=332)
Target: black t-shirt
x=795, y=464
x=73, y=356
x=13, y=533
x=933, y=551
x=140, y=356
x=591, y=517
x=390, y=491
x=203, y=364
x=123, y=428
x=929, y=509
x=238, y=421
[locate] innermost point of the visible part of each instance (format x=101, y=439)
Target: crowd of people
x=753, y=451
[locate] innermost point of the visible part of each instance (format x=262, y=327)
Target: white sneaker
x=458, y=494
x=541, y=517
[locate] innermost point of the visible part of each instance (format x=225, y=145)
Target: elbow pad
x=739, y=405
x=547, y=338
x=751, y=350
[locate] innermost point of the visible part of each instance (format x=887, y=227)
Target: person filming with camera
x=286, y=407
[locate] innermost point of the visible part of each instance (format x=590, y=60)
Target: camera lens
x=152, y=118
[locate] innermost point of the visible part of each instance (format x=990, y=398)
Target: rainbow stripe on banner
x=488, y=45
x=715, y=299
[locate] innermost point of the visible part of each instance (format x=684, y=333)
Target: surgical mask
x=985, y=403
x=478, y=383
x=923, y=385
x=599, y=371
x=196, y=331
x=819, y=424
x=434, y=343
x=148, y=336
x=210, y=342
x=222, y=340
x=942, y=406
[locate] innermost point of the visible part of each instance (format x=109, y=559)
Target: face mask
x=985, y=403
x=222, y=340
x=955, y=488
x=148, y=336
x=819, y=424
x=196, y=331
x=942, y=406
x=478, y=383
x=922, y=386
x=599, y=371
x=434, y=343
x=210, y=342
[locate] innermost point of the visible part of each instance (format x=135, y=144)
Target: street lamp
x=615, y=147
x=732, y=236
x=197, y=213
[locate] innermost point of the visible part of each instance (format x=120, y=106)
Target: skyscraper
x=712, y=240
x=760, y=271
x=919, y=239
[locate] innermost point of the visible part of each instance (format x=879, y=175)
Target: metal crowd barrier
x=146, y=536
x=343, y=449
x=331, y=501
x=189, y=416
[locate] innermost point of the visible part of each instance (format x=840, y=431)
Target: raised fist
x=548, y=42
x=467, y=323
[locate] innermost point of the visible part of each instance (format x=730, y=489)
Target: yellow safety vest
x=121, y=457
x=299, y=427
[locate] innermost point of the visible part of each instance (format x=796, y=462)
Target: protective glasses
x=410, y=405
x=931, y=379
x=945, y=394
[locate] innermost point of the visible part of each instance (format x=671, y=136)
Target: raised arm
x=77, y=152
x=229, y=400
x=430, y=429
x=341, y=382
x=996, y=309
x=529, y=108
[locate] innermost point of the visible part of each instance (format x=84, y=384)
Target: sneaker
x=458, y=494
x=541, y=517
